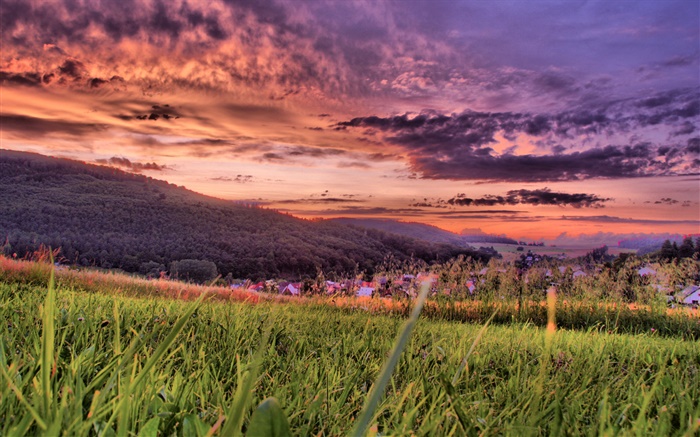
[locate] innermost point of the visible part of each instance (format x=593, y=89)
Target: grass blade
x=32, y=412
x=47, y=346
x=234, y=420
x=388, y=368
x=165, y=344
x=476, y=341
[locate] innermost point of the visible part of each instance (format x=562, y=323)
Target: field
x=510, y=251
x=79, y=362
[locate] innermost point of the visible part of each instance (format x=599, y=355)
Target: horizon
x=591, y=241
x=528, y=120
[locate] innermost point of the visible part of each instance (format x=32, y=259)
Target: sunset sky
x=526, y=118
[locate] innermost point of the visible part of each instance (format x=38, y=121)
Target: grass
x=21, y=271
x=573, y=313
x=111, y=364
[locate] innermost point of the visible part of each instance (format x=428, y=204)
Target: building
x=691, y=295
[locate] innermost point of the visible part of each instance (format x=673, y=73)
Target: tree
x=598, y=255
x=151, y=269
x=667, y=251
x=194, y=270
x=686, y=249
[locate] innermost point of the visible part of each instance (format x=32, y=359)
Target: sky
x=535, y=119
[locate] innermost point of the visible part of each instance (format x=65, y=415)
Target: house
x=292, y=289
x=578, y=274
x=646, y=271
x=260, y=286
x=691, y=295
x=365, y=291
x=333, y=287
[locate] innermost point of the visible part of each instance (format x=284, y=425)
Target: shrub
x=194, y=270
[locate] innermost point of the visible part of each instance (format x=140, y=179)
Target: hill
x=108, y=218
x=424, y=232
x=419, y=231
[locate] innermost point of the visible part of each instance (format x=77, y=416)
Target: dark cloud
x=359, y=210
x=666, y=201
x=353, y=164
x=26, y=79
x=155, y=112
x=240, y=179
x=270, y=156
x=125, y=163
x=381, y=49
x=680, y=61
x=459, y=146
x=426, y=205
x=484, y=211
x=290, y=153
x=322, y=200
x=686, y=128
x=555, y=82
x=72, y=70
x=612, y=219
x=29, y=127
x=70, y=73
x=313, y=152
x=495, y=217
x=693, y=145
x=543, y=196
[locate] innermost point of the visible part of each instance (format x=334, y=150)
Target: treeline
x=650, y=243
x=103, y=217
x=493, y=239
x=673, y=251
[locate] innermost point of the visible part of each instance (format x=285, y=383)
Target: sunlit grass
x=21, y=271
x=155, y=366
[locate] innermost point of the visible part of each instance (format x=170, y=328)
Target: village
x=471, y=285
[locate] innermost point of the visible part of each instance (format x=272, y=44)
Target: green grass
x=124, y=366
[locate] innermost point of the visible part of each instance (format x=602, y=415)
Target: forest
x=103, y=217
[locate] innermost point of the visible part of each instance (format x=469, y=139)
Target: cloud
x=322, y=200
x=117, y=161
x=666, y=201
x=354, y=164
x=543, y=196
x=157, y=45
x=485, y=211
x=155, y=112
x=612, y=219
x=240, y=179
x=494, y=217
x=463, y=146
x=29, y=127
x=23, y=78
x=365, y=211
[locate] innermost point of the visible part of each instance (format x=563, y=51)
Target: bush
x=193, y=270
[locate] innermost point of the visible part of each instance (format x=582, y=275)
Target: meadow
x=92, y=356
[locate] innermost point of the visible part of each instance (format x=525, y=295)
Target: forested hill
x=413, y=230
x=105, y=217
x=424, y=232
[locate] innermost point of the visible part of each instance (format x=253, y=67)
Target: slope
x=108, y=218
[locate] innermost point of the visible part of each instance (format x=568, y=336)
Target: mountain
x=419, y=231
x=424, y=232
x=101, y=216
